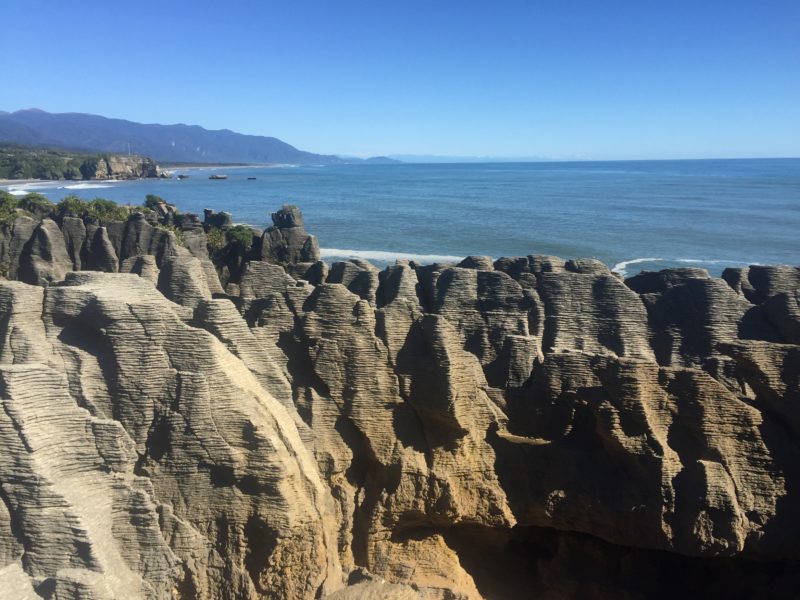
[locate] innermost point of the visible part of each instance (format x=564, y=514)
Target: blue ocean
x=632, y=215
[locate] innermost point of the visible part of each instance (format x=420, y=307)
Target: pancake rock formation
x=186, y=421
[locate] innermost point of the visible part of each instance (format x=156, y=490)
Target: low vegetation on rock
x=176, y=231
x=242, y=234
x=216, y=238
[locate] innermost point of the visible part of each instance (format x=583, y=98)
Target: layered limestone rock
x=586, y=406
x=142, y=459
x=44, y=257
x=530, y=426
x=388, y=441
x=137, y=236
x=44, y=252
x=358, y=276
x=287, y=241
x=648, y=456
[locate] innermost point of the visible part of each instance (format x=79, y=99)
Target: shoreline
x=209, y=167
x=13, y=182
x=25, y=181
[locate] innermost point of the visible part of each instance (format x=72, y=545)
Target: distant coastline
x=176, y=144
x=21, y=162
x=208, y=166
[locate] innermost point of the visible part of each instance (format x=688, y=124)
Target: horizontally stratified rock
x=592, y=313
x=14, y=240
x=74, y=231
x=358, y=276
x=262, y=279
x=182, y=279
x=527, y=427
x=44, y=257
x=767, y=281
x=99, y=254
x=399, y=451
x=143, y=265
x=136, y=236
x=43, y=252
x=490, y=310
x=313, y=272
x=194, y=238
x=684, y=459
x=191, y=481
x=690, y=314
x=481, y=263
x=287, y=241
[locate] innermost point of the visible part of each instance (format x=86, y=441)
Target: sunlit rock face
x=524, y=427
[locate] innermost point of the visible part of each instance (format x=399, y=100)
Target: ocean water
x=632, y=215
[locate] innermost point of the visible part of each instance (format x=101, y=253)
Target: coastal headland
x=196, y=409
x=26, y=163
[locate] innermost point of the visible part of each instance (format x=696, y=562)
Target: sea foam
x=622, y=267
x=21, y=189
x=87, y=186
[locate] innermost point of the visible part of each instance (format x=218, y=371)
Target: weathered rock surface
x=358, y=276
x=287, y=241
x=117, y=166
x=44, y=252
x=44, y=257
x=520, y=428
x=190, y=481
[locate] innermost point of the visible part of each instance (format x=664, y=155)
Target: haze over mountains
x=164, y=143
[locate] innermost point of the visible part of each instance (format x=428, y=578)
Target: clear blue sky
x=558, y=78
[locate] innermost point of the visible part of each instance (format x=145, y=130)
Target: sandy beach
x=9, y=182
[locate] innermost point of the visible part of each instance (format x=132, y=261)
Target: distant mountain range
x=164, y=143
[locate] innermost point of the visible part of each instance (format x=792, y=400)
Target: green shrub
x=8, y=208
x=240, y=233
x=215, y=238
x=152, y=201
x=72, y=206
x=101, y=209
x=37, y=204
x=179, y=235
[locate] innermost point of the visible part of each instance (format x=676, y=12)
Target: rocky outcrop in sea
x=190, y=419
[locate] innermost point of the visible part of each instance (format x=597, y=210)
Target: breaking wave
x=86, y=186
x=20, y=189
x=622, y=267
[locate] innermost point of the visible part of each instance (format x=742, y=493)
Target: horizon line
x=444, y=159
